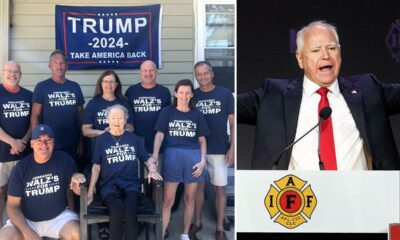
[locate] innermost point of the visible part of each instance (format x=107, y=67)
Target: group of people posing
x=184, y=139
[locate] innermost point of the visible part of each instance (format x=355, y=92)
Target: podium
x=317, y=201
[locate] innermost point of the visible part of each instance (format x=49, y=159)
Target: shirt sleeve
x=127, y=93
x=131, y=118
x=96, y=157
x=80, y=98
x=247, y=104
x=142, y=153
x=38, y=94
x=202, y=127
x=162, y=120
x=71, y=166
x=15, y=186
x=167, y=98
x=230, y=103
x=130, y=112
x=89, y=113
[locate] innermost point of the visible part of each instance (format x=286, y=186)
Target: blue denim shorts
x=178, y=163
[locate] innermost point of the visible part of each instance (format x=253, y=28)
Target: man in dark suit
x=360, y=135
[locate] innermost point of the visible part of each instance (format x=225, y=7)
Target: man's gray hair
x=57, y=51
x=12, y=62
x=302, y=32
x=203, y=63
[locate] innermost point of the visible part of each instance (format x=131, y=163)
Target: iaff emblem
x=290, y=201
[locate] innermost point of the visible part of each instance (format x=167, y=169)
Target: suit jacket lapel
x=291, y=100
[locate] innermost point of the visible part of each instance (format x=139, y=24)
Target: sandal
x=194, y=229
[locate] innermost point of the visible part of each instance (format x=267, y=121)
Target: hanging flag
x=109, y=37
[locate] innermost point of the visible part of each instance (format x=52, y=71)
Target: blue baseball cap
x=42, y=129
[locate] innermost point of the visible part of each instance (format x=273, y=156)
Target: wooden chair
x=148, y=212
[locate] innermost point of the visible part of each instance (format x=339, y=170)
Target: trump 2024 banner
x=109, y=37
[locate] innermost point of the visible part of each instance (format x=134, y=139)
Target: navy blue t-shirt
x=42, y=187
x=95, y=112
x=15, y=117
x=147, y=104
x=181, y=129
x=216, y=106
x=118, y=159
x=60, y=104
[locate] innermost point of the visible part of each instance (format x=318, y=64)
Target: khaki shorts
x=217, y=170
x=5, y=172
x=50, y=228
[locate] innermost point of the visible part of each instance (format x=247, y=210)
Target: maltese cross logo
x=290, y=201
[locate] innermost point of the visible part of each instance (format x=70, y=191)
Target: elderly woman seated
x=115, y=162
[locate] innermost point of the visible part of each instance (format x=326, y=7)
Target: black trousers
x=123, y=208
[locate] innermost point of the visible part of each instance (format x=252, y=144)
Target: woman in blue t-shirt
x=115, y=165
x=183, y=129
x=108, y=92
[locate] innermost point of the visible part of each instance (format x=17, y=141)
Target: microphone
x=324, y=114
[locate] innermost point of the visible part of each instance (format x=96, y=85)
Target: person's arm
x=157, y=145
x=88, y=131
x=248, y=104
x=199, y=167
x=79, y=148
x=93, y=181
x=18, y=219
x=391, y=94
x=70, y=199
x=27, y=137
x=17, y=145
x=36, y=111
x=230, y=155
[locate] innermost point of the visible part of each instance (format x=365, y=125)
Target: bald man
x=147, y=98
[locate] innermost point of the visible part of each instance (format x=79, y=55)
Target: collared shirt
x=348, y=143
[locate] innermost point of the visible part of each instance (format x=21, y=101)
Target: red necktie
x=327, y=143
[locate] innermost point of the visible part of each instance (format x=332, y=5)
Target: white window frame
x=200, y=19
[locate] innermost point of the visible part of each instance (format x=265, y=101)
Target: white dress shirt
x=348, y=143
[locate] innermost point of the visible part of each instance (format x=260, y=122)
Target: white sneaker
x=185, y=237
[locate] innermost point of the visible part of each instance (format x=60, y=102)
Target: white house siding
x=1, y=38
x=32, y=38
x=4, y=22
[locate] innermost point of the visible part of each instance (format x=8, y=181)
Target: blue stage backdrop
x=109, y=37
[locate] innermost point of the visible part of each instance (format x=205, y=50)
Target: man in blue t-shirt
x=58, y=102
x=217, y=105
x=147, y=98
x=39, y=199
x=15, y=114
